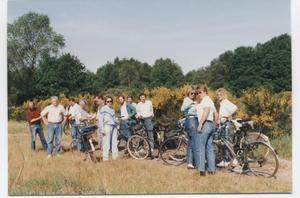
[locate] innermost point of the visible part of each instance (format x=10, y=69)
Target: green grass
x=283, y=146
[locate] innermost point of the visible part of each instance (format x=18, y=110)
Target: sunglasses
x=109, y=101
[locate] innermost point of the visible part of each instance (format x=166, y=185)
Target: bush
x=271, y=112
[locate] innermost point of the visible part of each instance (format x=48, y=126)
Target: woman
x=191, y=123
x=108, y=128
x=205, y=111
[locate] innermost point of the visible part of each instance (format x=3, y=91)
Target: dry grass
x=68, y=174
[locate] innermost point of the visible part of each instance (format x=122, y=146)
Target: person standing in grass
x=108, y=128
x=73, y=106
x=227, y=109
x=99, y=100
x=81, y=117
x=127, y=112
x=54, y=116
x=145, y=113
x=191, y=123
x=205, y=151
x=33, y=117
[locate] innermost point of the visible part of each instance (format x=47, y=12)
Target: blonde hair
x=222, y=91
x=189, y=89
x=202, y=87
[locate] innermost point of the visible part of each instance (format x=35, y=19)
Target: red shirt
x=31, y=114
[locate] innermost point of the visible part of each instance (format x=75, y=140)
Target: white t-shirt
x=206, y=102
x=145, y=109
x=227, y=108
x=80, y=114
x=124, y=113
x=54, y=113
x=72, y=109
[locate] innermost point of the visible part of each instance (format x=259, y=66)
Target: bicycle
x=85, y=137
x=173, y=149
x=251, y=150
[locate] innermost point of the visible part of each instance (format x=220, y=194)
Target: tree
x=29, y=37
x=65, y=74
x=166, y=73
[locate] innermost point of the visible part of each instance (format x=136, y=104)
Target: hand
x=199, y=129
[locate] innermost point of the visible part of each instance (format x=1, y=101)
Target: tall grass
x=283, y=146
x=69, y=174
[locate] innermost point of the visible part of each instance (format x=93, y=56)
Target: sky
x=190, y=32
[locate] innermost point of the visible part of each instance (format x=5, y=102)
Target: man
x=33, y=116
x=53, y=116
x=127, y=112
x=226, y=110
x=81, y=117
x=99, y=100
x=73, y=106
x=130, y=101
x=144, y=112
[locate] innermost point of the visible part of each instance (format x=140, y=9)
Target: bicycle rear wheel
x=262, y=159
x=173, y=151
x=138, y=147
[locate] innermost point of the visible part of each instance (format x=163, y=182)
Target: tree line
x=37, y=68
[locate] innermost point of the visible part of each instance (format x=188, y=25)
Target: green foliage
x=28, y=38
x=166, y=73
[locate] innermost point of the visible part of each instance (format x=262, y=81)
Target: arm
x=216, y=118
x=35, y=119
x=151, y=109
x=203, y=118
x=44, y=113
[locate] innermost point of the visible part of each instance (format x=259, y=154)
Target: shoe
x=190, y=166
x=202, y=173
x=223, y=164
x=48, y=156
x=234, y=163
x=237, y=169
x=211, y=172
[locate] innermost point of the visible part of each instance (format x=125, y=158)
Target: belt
x=55, y=122
x=192, y=116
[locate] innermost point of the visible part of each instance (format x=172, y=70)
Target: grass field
x=32, y=174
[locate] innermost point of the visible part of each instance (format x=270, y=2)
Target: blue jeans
x=191, y=125
x=74, y=134
x=54, y=133
x=206, y=150
x=34, y=130
x=225, y=134
x=147, y=122
x=124, y=129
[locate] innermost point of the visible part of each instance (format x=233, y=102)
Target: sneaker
x=234, y=163
x=223, y=164
x=190, y=166
x=202, y=173
x=48, y=156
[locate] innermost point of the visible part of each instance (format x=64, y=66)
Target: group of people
x=199, y=110
x=202, y=119
x=55, y=116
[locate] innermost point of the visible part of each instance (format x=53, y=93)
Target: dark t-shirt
x=31, y=114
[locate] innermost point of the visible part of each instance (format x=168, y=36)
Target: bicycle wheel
x=221, y=150
x=138, y=147
x=173, y=151
x=262, y=159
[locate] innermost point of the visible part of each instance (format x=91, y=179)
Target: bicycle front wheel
x=173, y=151
x=262, y=159
x=138, y=147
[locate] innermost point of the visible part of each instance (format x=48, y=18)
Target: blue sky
x=190, y=32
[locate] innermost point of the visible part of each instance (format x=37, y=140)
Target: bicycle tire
x=219, y=153
x=262, y=159
x=138, y=147
x=173, y=151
